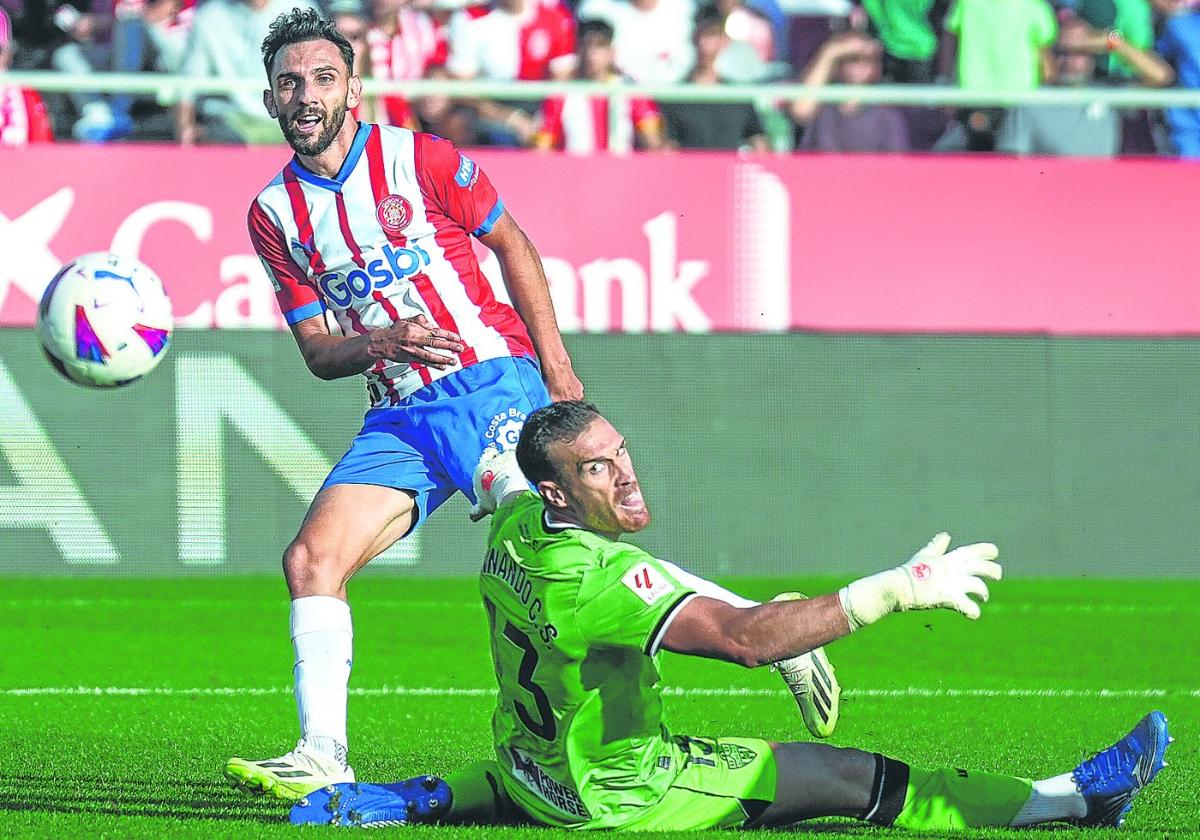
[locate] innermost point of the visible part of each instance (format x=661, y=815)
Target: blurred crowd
x=978, y=45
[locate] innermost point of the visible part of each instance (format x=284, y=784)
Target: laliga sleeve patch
x=467, y=172
x=647, y=583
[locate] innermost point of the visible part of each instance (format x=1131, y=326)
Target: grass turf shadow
x=181, y=799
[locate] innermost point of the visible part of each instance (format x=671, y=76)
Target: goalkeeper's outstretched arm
x=933, y=579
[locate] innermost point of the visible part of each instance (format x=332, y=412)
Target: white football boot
x=289, y=777
x=812, y=681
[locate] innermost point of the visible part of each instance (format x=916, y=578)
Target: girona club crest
x=394, y=213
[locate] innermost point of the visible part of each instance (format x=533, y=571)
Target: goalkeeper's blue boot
x=424, y=799
x=1111, y=778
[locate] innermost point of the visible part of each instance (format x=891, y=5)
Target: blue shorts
x=430, y=444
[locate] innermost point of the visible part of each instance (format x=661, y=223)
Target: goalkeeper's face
x=596, y=483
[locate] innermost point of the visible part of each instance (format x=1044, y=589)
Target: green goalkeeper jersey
x=575, y=622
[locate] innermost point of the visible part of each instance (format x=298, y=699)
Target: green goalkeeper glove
x=932, y=579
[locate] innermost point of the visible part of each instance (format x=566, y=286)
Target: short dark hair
x=600, y=28
x=301, y=25
x=562, y=422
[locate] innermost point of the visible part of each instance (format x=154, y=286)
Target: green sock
x=479, y=797
x=936, y=800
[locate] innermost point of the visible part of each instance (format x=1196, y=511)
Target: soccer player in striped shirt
x=366, y=235
x=577, y=619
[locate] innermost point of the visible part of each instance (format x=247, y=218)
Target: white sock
x=706, y=587
x=1055, y=798
x=323, y=639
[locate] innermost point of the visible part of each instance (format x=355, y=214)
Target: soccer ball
x=104, y=320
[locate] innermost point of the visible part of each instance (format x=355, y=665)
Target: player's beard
x=633, y=518
x=612, y=514
x=312, y=145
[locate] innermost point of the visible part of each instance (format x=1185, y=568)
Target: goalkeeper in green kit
x=577, y=620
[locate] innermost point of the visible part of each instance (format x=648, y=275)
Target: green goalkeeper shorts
x=724, y=783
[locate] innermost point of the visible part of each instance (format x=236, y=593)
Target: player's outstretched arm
x=408, y=340
x=526, y=283
x=754, y=636
x=933, y=579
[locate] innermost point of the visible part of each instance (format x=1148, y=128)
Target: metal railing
x=170, y=89
x=173, y=88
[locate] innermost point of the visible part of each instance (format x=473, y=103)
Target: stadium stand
x=977, y=45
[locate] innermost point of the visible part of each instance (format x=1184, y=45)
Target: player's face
x=597, y=482
x=311, y=90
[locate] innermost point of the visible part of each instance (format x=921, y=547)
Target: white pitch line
x=473, y=603
x=1088, y=608
x=431, y=691
x=220, y=603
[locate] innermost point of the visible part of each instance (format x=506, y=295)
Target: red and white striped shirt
x=580, y=124
x=492, y=43
x=418, y=44
x=388, y=238
x=23, y=117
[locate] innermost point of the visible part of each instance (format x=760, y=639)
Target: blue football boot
x=1111, y=778
x=423, y=799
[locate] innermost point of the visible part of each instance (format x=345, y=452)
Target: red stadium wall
x=684, y=242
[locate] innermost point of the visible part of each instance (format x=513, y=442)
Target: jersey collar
x=554, y=525
x=335, y=183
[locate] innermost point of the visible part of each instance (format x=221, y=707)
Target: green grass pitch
x=121, y=699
